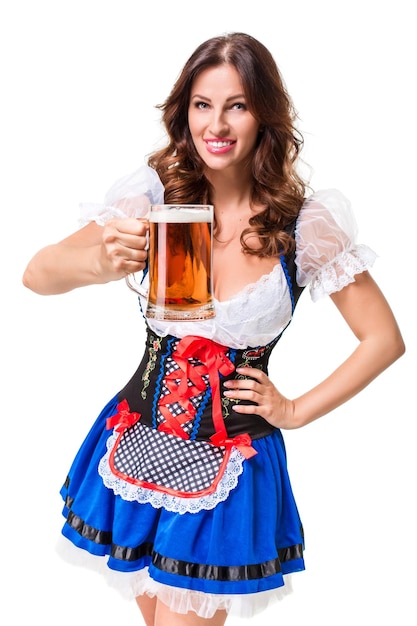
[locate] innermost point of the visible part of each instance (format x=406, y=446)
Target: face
x=223, y=130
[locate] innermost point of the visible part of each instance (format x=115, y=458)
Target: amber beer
x=180, y=262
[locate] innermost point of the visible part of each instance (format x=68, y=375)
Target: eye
x=199, y=104
x=239, y=106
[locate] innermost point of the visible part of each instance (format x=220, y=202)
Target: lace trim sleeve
x=130, y=196
x=328, y=256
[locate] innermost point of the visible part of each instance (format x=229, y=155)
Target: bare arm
x=370, y=318
x=92, y=255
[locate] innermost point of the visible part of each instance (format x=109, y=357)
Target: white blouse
x=327, y=259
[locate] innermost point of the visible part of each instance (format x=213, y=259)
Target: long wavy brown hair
x=276, y=184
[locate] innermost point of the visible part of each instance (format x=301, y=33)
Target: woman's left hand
x=267, y=401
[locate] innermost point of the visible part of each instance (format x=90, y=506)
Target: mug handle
x=135, y=286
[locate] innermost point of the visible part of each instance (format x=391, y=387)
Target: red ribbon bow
x=123, y=418
x=242, y=442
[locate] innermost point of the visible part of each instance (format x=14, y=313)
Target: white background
x=80, y=81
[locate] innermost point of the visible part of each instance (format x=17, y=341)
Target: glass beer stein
x=179, y=262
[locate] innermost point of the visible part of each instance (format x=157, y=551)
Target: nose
x=219, y=126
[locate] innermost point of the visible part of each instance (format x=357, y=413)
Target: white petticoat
x=133, y=584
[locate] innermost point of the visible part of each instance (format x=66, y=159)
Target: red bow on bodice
x=123, y=418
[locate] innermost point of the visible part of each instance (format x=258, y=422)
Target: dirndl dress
x=181, y=496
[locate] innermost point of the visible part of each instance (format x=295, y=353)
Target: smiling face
x=224, y=132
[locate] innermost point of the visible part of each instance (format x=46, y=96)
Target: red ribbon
x=123, y=418
x=213, y=359
x=242, y=442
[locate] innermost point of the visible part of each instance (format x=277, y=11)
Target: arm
x=370, y=318
x=92, y=255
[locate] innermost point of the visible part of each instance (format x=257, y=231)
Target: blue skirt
x=243, y=545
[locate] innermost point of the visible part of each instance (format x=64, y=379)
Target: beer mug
x=179, y=262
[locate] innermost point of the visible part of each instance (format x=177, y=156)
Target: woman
x=192, y=554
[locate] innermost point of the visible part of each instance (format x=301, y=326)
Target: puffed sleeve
x=130, y=196
x=327, y=254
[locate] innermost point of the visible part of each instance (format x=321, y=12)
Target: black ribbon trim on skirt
x=94, y=535
x=226, y=573
x=103, y=537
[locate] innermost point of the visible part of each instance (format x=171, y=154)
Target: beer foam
x=180, y=216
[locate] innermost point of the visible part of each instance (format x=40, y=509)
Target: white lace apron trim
x=175, y=504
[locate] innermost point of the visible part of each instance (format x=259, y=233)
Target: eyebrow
x=239, y=95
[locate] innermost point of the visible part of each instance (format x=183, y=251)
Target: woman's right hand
x=123, y=247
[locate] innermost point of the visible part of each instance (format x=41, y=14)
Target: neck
x=230, y=193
